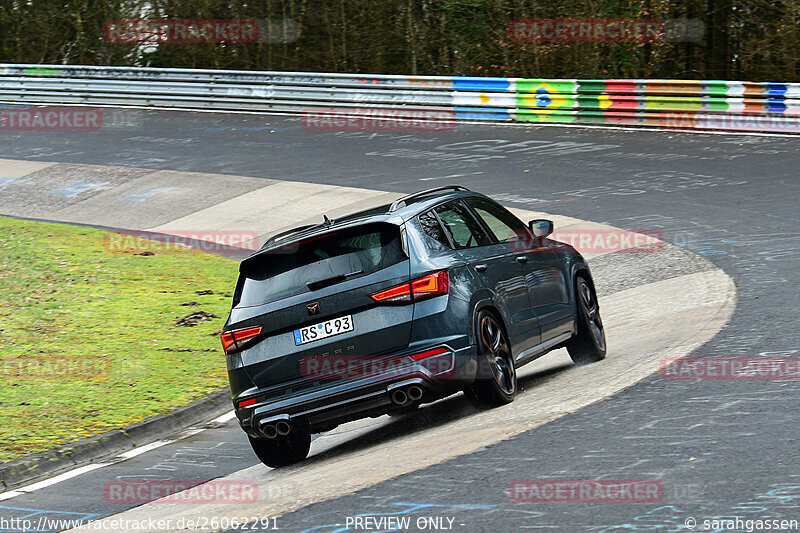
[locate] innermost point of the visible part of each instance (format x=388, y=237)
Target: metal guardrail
x=720, y=105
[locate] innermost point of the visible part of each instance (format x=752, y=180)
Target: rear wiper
x=314, y=285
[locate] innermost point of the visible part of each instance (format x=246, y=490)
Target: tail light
x=246, y=403
x=397, y=294
x=434, y=284
x=239, y=339
x=428, y=286
x=428, y=353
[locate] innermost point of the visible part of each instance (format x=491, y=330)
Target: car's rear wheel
x=589, y=345
x=496, y=383
x=283, y=450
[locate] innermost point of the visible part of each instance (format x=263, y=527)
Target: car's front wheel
x=589, y=344
x=496, y=383
x=283, y=450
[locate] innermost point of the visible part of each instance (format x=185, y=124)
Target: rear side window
x=462, y=226
x=504, y=225
x=318, y=261
x=430, y=225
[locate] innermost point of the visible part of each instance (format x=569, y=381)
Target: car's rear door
x=497, y=266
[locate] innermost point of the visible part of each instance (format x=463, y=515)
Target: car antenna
x=328, y=222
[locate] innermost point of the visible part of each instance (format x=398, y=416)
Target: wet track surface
x=720, y=448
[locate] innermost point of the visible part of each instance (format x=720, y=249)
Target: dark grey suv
x=383, y=310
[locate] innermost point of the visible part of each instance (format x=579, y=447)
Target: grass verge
x=88, y=335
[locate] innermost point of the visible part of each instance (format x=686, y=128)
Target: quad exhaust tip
x=399, y=397
x=402, y=396
x=269, y=431
x=273, y=429
x=414, y=393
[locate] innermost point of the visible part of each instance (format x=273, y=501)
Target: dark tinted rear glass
x=326, y=259
x=430, y=225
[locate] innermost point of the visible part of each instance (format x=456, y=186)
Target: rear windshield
x=318, y=261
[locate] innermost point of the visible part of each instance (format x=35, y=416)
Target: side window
x=430, y=225
x=504, y=225
x=465, y=230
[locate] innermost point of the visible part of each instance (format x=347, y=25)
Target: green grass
x=100, y=325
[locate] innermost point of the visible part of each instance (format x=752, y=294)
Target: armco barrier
x=717, y=105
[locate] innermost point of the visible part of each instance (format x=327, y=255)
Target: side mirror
x=541, y=228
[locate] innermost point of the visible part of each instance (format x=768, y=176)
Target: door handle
x=522, y=259
x=481, y=268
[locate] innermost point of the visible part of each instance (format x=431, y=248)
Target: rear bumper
x=338, y=401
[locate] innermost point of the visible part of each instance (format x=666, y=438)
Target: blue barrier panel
x=775, y=105
x=481, y=113
x=468, y=83
x=776, y=89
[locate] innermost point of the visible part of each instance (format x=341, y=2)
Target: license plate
x=323, y=330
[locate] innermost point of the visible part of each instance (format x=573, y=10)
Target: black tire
x=283, y=450
x=589, y=345
x=496, y=383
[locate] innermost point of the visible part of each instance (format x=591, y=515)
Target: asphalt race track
x=720, y=448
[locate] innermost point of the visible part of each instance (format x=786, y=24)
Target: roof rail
x=402, y=202
x=287, y=232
